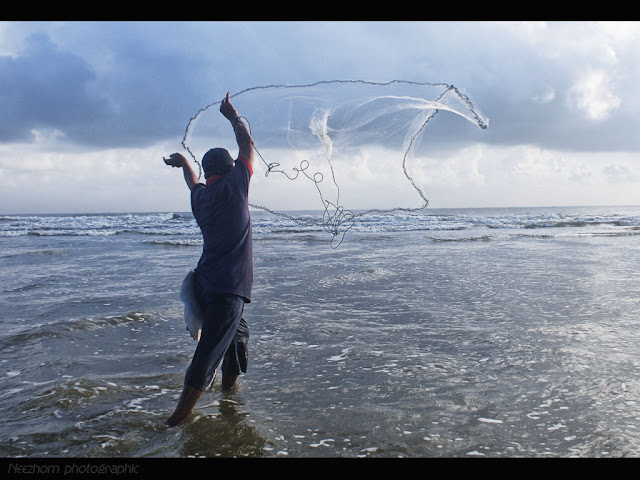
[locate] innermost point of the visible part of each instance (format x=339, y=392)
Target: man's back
x=222, y=212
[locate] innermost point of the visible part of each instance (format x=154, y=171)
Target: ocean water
x=445, y=333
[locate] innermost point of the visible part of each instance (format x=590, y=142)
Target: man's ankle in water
x=228, y=380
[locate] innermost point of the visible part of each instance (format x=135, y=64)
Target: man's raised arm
x=243, y=137
x=178, y=161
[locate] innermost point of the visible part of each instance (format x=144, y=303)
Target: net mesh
x=332, y=144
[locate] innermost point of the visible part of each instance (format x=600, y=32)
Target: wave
x=625, y=233
x=99, y=399
x=366, y=275
x=578, y=223
x=481, y=238
x=69, y=233
x=33, y=252
x=183, y=227
x=44, y=330
x=183, y=242
x=98, y=224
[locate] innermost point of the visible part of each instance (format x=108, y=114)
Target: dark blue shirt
x=221, y=209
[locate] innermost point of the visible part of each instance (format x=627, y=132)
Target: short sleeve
x=196, y=191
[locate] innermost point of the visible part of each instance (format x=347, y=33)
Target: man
x=224, y=274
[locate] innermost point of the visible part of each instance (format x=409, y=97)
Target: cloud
x=593, y=94
x=621, y=173
x=46, y=89
x=122, y=92
x=561, y=97
x=540, y=83
x=546, y=95
x=561, y=85
x=79, y=180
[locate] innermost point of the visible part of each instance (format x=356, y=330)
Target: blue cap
x=216, y=161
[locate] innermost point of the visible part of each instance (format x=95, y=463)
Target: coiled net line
x=336, y=220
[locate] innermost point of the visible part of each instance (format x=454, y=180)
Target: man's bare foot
x=172, y=421
x=187, y=402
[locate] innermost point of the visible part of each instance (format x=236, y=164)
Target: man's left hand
x=175, y=160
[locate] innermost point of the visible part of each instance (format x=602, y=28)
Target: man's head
x=216, y=161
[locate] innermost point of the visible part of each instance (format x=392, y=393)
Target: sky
x=89, y=108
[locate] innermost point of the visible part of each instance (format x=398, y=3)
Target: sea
x=449, y=333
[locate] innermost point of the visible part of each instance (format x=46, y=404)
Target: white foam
x=489, y=420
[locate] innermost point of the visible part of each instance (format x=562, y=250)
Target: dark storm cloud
x=140, y=99
x=44, y=88
x=135, y=83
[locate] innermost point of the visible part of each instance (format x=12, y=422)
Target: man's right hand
x=228, y=110
x=175, y=160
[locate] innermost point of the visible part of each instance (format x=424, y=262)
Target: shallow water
x=468, y=333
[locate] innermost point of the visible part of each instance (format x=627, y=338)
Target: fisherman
x=224, y=274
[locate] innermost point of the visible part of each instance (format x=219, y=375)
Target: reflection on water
x=221, y=429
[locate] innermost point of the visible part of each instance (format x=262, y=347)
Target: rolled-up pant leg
x=222, y=317
x=237, y=356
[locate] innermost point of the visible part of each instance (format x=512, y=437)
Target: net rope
x=336, y=219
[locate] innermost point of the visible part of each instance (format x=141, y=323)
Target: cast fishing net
x=344, y=147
